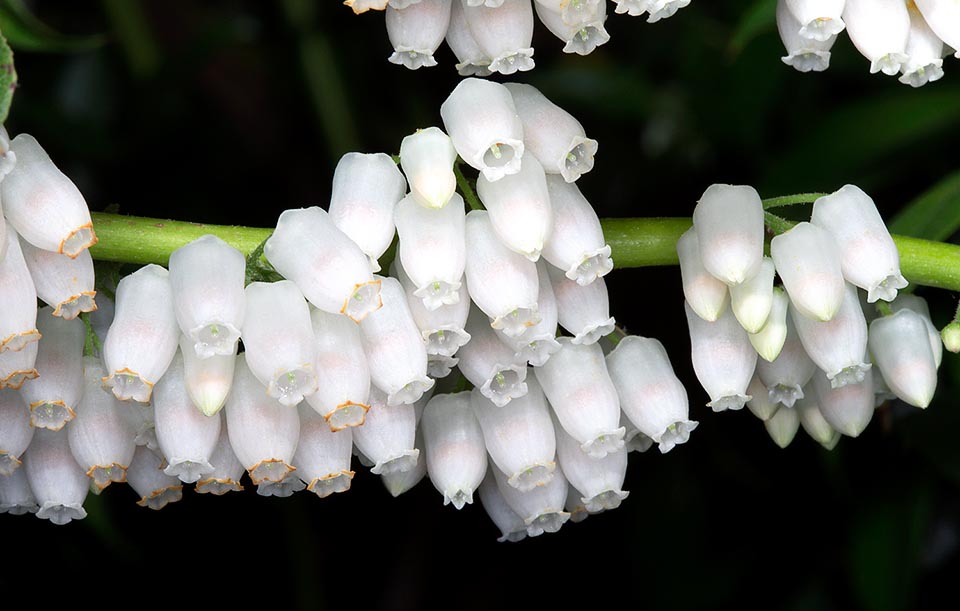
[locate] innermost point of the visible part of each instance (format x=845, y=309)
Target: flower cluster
x=813, y=351
x=906, y=37
x=338, y=360
x=490, y=36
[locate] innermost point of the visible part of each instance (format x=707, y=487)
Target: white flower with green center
x=455, y=452
x=416, y=31
x=879, y=29
x=58, y=483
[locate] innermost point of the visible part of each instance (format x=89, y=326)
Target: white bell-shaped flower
x=454, y=446
x=343, y=376
x=728, y=221
x=362, y=6
x=501, y=282
x=706, y=295
x=263, y=431
x=768, y=341
x=15, y=431
x=387, y=438
x=651, y=395
x=101, y=436
x=399, y=482
x=208, y=380
x=42, y=204
x=584, y=398
x=366, y=189
x=442, y=329
x=583, y=310
x=18, y=367
x=490, y=364
x=395, y=351
x=54, y=395
x=577, y=244
x=599, y=480
x=143, y=336
x=541, y=508
x=535, y=344
x=837, y=346
x=633, y=439
x=323, y=456
x=909, y=301
x=573, y=12
x=664, y=9
x=807, y=259
x=483, y=123
x=924, y=52
x=723, y=359
x=879, y=29
x=207, y=277
x=140, y=416
x=752, y=299
x=805, y=54
x=427, y=157
x=331, y=271
x=633, y=8
x=18, y=321
x=227, y=469
x=900, y=347
x=16, y=498
x=471, y=59
x=433, y=249
x=278, y=341
x=760, y=404
x=416, y=31
x=155, y=488
x=58, y=483
x=187, y=437
x=812, y=420
x=785, y=376
x=943, y=17
x=783, y=426
x=849, y=408
x=816, y=19
x=519, y=208
x=64, y=283
x=868, y=256
x=519, y=436
x=581, y=36
x=506, y=519
x=504, y=33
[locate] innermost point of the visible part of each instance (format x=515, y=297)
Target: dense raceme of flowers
x=489, y=36
x=339, y=359
x=906, y=37
x=828, y=345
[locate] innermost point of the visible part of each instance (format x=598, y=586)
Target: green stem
x=791, y=200
x=468, y=194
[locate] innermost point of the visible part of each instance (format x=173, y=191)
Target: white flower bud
x=433, y=249
x=908, y=301
x=395, y=351
x=584, y=311
x=599, y=480
x=455, y=451
x=900, y=346
x=227, y=469
x=943, y=17
x=362, y=6
x=951, y=337
x=723, y=359
x=879, y=29
x=584, y=34
x=506, y=519
x=366, y=189
x=578, y=386
x=760, y=404
x=490, y=364
x=387, y=436
x=416, y=31
x=663, y=9
x=442, y=329
x=837, y=346
x=804, y=53
x=207, y=277
x=651, y=395
x=783, y=425
x=849, y=408
x=482, y=122
x=398, y=482
x=540, y=508
x=18, y=322
x=208, y=381
x=58, y=483
x=752, y=299
x=144, y=334
x=786, y=375
x=64, y=283
x=472, y=61
x=869, y=258
x=816, y=19
x=519, y=436
x=924, y=52
x=706, y=295
x=519, y=208
x=807, y=259
x=501, y=282
x=813, y=421
x=263, y=432
x=331, y=271
x=155, y=488
x=577, y=244
x=323, y=456
x=18, y=367
x=15, y=431
x=42, y=204
x=537, y=343
x=54, y=395
x=343, y=376
x=504, y=33
x=278, y=341
x=768, y=341
x=16, y=498
x=427, y=157
x=101, y=435
x=728, y=221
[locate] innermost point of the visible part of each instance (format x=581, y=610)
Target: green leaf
x=8, y=77
x=756, y=20
x=25, y=32
x=934, y=215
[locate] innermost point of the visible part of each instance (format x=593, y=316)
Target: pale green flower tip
x=951, y=337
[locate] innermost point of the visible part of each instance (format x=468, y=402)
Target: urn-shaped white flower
x=723, y=359
x=504, y=32
x=900, y=347
x=427, y=157
x=416, y=31
x=583, y=310
x=849, y=408
x=909, y=301
x=15, y=431
x=227, y=469
x=58, y=483
x=155, y=488
x=924, y=52
x=599, y=480
x=323, y=456
x=805, y=54
x=817, y=19
x=64, y=283
x=664, y=9
x=471, y=59
x=388, y=435
x=16, y=498
x=18, y=294
x=54, y=395
x=728, y=221
x=759, y=403
x=506, y=519
x=943, y=17
x=785, y=376
x=442, y=328
x=582, y=35
x=208, y=380
x=879, y=29
x=768, y=341
x=490, y=364
x=343, y=376
x=536, y=343
x=576, y=244
x=399, y=482
x=807, y=259
x=752, y=299
x=18, y=367
x=541, y=508
x=706, y=295
x=454, y=445
x=519, y=208
x=837, y=346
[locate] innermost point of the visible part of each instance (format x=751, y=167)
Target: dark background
x=230, y=112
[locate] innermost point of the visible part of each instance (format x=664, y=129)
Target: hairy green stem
x=791, y=200
x=465, y=187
